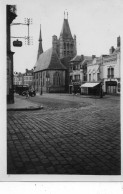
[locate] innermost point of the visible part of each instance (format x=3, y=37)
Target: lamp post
x=110, y=76
x=41, y=85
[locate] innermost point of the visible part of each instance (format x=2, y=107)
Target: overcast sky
x=96, y=24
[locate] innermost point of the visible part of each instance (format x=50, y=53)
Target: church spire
x=40, y=49
x=65, y=32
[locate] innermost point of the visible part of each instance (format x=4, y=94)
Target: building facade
x=28, y=77
x=78, y=72
x=18, y=78
x=111, y=70
x=11, y=15
x=49, y=73
x=104, y=73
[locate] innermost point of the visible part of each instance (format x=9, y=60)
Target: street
x=70, y=135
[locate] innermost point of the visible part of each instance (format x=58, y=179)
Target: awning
x=89, y=85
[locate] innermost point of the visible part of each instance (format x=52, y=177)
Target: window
x=71, y=78
x=89, y=77
x=77, y=77
x=98, y=76
x=85, y=77
x=64, y=46
x=94, y=76
x=110, y=72
x=56, y=79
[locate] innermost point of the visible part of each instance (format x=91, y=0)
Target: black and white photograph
x=63, y=87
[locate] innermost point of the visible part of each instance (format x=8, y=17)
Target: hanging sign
x=17, y=43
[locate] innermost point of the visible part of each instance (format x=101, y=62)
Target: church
x=51, y=71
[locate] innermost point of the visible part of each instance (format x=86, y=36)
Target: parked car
x=31, y=93
x=19, y=89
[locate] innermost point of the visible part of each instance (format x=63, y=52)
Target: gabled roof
x=76, y=58
x=86, y=59
x=65, y=32
x=49, y=60
x=116, y=50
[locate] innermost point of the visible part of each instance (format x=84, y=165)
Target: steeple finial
x=40, y=49
x=65, y=14
x=40, y=38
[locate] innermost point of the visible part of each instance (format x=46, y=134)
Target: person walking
x=27, y=94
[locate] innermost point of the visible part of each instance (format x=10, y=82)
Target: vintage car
x=30, y=92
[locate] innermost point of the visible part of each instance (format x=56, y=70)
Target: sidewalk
x=52, y=95
x=23, y=104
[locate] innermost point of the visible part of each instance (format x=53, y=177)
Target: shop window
x=118, y=87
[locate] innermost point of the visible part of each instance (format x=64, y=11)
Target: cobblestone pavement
x=73, y=140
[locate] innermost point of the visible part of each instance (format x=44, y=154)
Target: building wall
x=112, y=61
x=93, y=70
x=64, y=47
x=11, y=15
x=43, y=81
x=28, y=80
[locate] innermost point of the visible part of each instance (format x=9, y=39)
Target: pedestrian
x=27, y=94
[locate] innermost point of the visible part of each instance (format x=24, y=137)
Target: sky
x=96, y=24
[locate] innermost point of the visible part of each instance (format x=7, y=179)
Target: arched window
x=56, y=79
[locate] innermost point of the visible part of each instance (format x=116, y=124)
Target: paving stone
x=65, y=141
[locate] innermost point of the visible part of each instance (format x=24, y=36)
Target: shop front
x=111, y=87
x=91, y=88
x=74, y=87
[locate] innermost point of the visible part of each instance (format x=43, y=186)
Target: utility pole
x=28, y=39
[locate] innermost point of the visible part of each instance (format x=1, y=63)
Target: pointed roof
x=40, y=49
x=65, y=32
x=49, y=60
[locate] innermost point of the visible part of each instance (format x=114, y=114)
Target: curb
x=25, y=109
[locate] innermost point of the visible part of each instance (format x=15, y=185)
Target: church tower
x=40, y=49
x=67, y=44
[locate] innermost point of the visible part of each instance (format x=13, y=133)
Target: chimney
x=118, y=41
x=111, y=50
x=93, y=56
x=82, y=57
x=74, y=37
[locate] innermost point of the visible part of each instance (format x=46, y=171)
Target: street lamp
x=41, y=85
